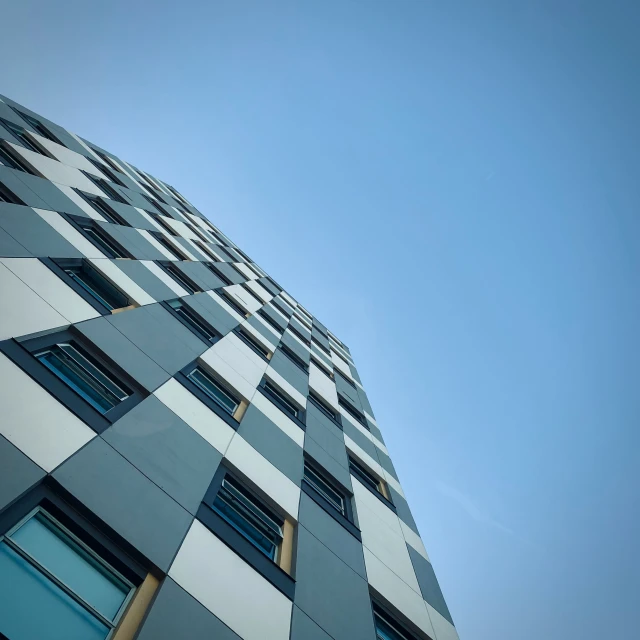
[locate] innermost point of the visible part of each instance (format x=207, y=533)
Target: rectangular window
x=246, y=513
x=218, y=273
x=299, y=362
x=270, y=321
x=93, y=232
x=281, y=309
x=206, y=383
x=366, y=477
x=322, y=368
x=103, y=185
x=10, y=159
x=193, y=321
x=21, y=134
x=280, y=400
x=103, y=208
x=49, y=569
x=38, y=126
x=345, y=379
x=6, y=195
x=162, y=221
x=231, y=302
x=323, y=407
x=325, y=488
x=94, y=283
x=201, y=245
x=112, y=175
x=252, y=343
x=160, y=237
x=320, y=346
x=251, y=293
x=387, y=628
x=173, y=270
x=299, y=335
x=353, y=412
x=79, y=371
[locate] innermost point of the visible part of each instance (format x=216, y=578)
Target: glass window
x=325, y=489
x=190, y=318
x=365, y=476
x=248, y=515
x=207, y=384
x=316, y=402
x=167, y=245
x=252, y=343
x=54, y=587
x=179, y=277
x=85, y=376
x=280, y=400
x=97, y=286
x=100, y=239
x=21, y=134
x=354, y=413
x=8, y=159
x=387, y=628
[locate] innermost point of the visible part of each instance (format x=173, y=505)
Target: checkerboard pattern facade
x=156, y=383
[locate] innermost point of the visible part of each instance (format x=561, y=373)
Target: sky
x=453, y=189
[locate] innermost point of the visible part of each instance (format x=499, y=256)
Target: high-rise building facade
x=185, y=450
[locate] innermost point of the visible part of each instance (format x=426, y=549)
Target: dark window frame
x=170, y=268
x=179, y=256
x=353, y=412
x=324, y=408
x=59, y=266
x=220, y=527
x=403, y=628
x=103, y=185
x=100, y=204
x=294, y=358
x=11, y=160
x=38, y=125
x=252, y=343
x=349, y=382
x=280, y=308
x=251, y=293
x=323, y=368
x=271, y=322
x=111, y=247
x=346, y=520
x=361, y=473
x=299, y=335
x=228, y=298
x=216, y=272
x=183, y=378
x=320, y=346
x=21, y=352
x=9, y=197
x=19, y=133
x=270, y=390
x=192, y=323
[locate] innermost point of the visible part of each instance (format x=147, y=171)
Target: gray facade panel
x=200, y=275
x=346, y=390
x=275, y=445
x=429, y=583
x=402, y=508
x=175, y=614
x=126, y=500
x=19, y=473
x=167, y=450
x=339, y=470
x=212, y=312
x=34, y=234
x=124, y=353
x=332, y=534
x=146, y=280
x=295, y=376
x=133, y=242
x=330, y=592
x=304, y=628
x=360, y=439
x=148, y=327
x=292, y=343
x=11, y=248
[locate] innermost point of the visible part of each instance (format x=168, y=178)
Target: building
x=185, y=450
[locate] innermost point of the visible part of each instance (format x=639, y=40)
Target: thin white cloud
x=473, y=509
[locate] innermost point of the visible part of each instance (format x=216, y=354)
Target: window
x=103, y=185
x=252, y=343
x=251, y=293
x=322, y=368
x=367, y=478
x=6, y=195
x=10, y=159
x=280, y=400
x=37, y=125
x=280, y=308
x=324, y=408
x=335, y=497
x=299, y=362
x=250, y=516
x=79, y=371
x=387, y=628
x=89, y=280
x=320, y=345
x=107, y=160
x=353, y=412
x=217, y=272
x=231, y=302
x=270, y=321
x=102, y=208
x=21, y=134
x=174, y=271
x=78, y=375
x=51, y=570
x=91, y=230
x=112, y=175
x=160, y=237
x=344, y=378
x=201, y=245
x=192, y=320
x=162, y=221
x=299, y=335
x=206, y=383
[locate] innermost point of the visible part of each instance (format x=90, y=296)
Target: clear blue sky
x=453, y=188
